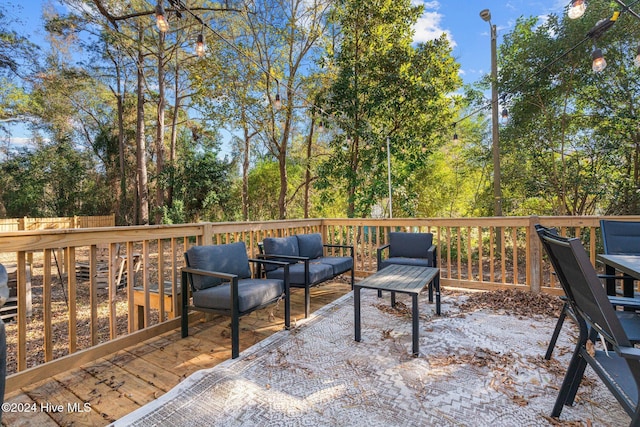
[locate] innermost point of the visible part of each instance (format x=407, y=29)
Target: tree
x=285, y=37
x=17, y=58
x=386, y=90
x=570, y=144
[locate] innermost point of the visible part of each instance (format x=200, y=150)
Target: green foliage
x=204, y=185
x=174, y=214
x=55, y=180
x=385, y=88
x=569, y=146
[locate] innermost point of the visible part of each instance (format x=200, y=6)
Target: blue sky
x=459, y=19
x=469, y=34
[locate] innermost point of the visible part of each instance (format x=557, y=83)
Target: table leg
x=416, y=333
x=436, y=283
x=627, y=287
x=393, y=299
x=356, y=311
x=611, y=283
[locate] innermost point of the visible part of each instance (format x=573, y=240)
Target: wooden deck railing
x=133, y=274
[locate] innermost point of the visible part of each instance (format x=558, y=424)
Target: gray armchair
x=415, y=249
x=220, y=280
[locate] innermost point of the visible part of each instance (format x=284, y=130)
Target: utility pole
x=495, y=146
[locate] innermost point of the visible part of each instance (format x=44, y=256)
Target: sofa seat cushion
x=287, y=246
x=317, y=273
x=252, y=293
x=418, y=262
x=340, y=264
x=230, y=258
x=310, y=245
x=410, y=245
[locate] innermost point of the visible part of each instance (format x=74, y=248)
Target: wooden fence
x=132, y=274
x=26, y=223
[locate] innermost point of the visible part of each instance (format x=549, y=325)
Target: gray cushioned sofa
x=221, y=282
x=309, y=265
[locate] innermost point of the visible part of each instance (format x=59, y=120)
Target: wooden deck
x=121, y=383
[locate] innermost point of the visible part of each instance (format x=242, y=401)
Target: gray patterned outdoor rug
x=481, y=368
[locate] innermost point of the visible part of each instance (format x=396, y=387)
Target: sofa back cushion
x=409, y=245
x=287, y=246
x=230, y=258
x=310, y=245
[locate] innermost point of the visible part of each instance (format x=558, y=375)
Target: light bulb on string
x=599, y=62
x=161, y=18
x=200, y=48
x=577, y=9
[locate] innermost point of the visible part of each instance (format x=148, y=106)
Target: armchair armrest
x=291, y=257
x=268, y=261
x=218, y=274
x=432, y=254
x=233, y=289
x=263, y=259
x=379, y=252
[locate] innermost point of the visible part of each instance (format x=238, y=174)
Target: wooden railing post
x=207, y=234
x=535, y=256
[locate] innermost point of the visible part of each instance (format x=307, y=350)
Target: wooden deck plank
x=120, y=383
x=24, y=418
x=54, y=399
x=110, y=403
x=118, y=379
x=149, y=372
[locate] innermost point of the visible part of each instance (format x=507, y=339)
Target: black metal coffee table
x=405, y=279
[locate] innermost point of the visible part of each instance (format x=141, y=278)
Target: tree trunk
x=174, y=135
x=121, y=142
x=141, y=156
x=160, y=131
x=282, y=198
x=245, y=166
x=307, y=173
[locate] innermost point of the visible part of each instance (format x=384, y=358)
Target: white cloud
x=429, y=25
x=20, y=141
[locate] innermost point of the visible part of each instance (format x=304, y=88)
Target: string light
x=161, y=18
x=277, y=103
x=200, y=45
x=577, y=9
x=599, y=62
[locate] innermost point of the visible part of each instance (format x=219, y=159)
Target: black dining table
x=628, y=265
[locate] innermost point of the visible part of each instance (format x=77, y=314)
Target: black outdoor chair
x=415, y=249
x=619, y=368
x=627, y=303
x=620, y=237
x=220, y=281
